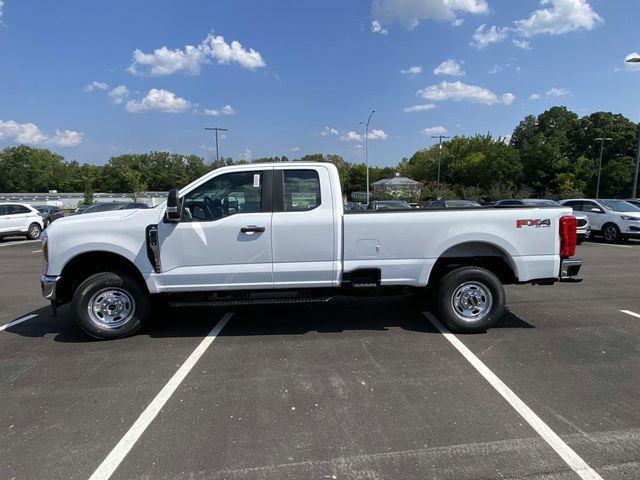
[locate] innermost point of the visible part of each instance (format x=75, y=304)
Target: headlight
x=631, y=219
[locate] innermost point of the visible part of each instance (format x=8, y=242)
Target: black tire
x=610, y=233
x=34, y=231
x=125, y=289
x=479, y=284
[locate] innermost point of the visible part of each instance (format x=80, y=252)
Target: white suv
x=20, y=219
x=614, y=219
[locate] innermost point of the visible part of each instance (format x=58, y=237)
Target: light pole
x=216, y=129
x=601, y=140
x=635, y=58
x=366, y=150
x=439, y=137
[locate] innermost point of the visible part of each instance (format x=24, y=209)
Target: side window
x=301, y=190
x=224, y=195
x=3, y=209
x=17, y=209
x=577, y=206
x=587, y=206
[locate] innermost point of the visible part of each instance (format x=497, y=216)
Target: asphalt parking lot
x=353, y=389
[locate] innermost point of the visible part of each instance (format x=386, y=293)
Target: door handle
x=252, y=229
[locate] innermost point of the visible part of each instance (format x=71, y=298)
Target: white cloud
x=66, y=138
x=523, y=44
x=293, y=149
x=246, y=155
x=190, y=59
x=558, y=92
x=31, y=134
x=412, y=71
x=535, y=96
x=559, y=16
x=351, y=137
x=226, y=110
x=458, y=91
x=507, y=98
x=484, y=37
x=118, y=94
x=158, y=100
x=329, y=131
x=411, y=12
x=434, y=131
x=376, y=27
x=1, y=6
x=95, y=85
x=419, y=108
x=496, y=69
x=449, y=67
x=356, y=137
x=377, y=135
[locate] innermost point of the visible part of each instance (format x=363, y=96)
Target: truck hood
x=88, y=220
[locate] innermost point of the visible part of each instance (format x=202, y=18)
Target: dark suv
x=49, y=213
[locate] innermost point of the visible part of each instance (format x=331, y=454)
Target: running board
x=257, y=301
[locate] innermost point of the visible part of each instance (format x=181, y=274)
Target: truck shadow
x=339, y=315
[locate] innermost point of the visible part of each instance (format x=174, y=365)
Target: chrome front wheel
x=111, y=307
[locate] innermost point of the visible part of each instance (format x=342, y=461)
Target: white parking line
x=629, y=312
x=17, y=243
x=109, y=465
x=16, y=322
x=570, y=457
x=36, y=251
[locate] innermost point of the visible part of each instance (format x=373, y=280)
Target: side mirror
x=174, y=209
x=596, y=210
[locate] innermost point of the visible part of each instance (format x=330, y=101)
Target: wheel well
x=79, y=268
x=475, y=254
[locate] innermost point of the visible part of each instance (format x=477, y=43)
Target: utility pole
x=366, y=150
x=635, y=58
x=601, y=140
x=216, y=129
x=439, y=137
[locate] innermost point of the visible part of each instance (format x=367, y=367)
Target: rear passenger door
x=5, y=220
x=304, y=243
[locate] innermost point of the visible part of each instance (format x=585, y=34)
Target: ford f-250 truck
x=279, y=233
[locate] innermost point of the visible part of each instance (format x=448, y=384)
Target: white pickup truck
x=279, y=233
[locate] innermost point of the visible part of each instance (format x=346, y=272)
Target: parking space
x=356, y=389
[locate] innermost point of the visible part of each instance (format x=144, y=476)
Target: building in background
x=397, y=188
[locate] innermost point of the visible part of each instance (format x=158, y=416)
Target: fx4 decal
x=533, y=222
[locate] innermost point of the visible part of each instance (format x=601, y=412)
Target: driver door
x=223, y=240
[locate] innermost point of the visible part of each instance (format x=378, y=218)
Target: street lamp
x=635, y=58
x=366, y=150
x=217, y=129
x=601, y=140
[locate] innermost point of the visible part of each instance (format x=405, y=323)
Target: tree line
x=554, y=154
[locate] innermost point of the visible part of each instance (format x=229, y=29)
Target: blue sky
x=91, y=79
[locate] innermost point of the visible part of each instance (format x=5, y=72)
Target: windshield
x=619, y=206
x=541, y=203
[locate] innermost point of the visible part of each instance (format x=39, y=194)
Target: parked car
x=354, y=206
x=199, y=248
x=20, y=219
x=582, y=221
x=451, y=204
x=49, y=213
x=389, y=205
x=614, y=219
x=109, y=206
x=634, y=201
x=80, y=209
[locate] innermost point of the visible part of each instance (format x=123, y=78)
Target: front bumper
x=569, y=268
x=48, y=285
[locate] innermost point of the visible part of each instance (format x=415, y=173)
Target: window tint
x=3, y=209
x=16, y=209
x=301, y=190
x=224, y=195
x=575, y=204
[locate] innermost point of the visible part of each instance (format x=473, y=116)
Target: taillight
x=568, y=236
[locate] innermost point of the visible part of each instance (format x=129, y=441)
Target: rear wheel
x=611, y=233
x=34, y=231
x=470, y=300
x=110, y=305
